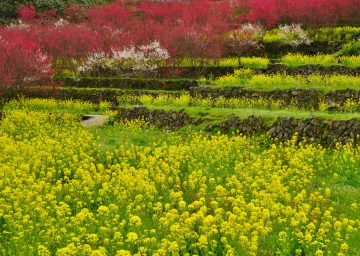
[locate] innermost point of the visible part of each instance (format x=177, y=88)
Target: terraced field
x=316, y=97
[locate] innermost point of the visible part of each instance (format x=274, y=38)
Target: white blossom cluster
x=246, y=39
x=93, y=60
x=293, y=35
x=140, y=58
x=42, y=65
x=256, y=29
x=61, y=22
x=18, y=25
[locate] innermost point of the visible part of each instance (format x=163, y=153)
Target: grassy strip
x=220, y=114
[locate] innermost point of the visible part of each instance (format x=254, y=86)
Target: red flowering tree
x=22, y=60
x=192, y=28
x=27, y=13
x=69, y=41
x=313, y=13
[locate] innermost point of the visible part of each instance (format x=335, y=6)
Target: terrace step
x=94, y=95
x=170, y=72
x=308, y=99
x=217, y=71
x=275, y=50
x=326, y=132
x=308, y=70
x=131, y=83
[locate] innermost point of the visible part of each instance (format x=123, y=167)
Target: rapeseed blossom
x=61, y=194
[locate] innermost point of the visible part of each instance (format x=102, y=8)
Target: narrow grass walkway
x=271, y=115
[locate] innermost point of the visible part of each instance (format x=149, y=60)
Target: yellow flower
x=135, y=221
x=123, y=253
x=43, y=251
x=282, y=235
x=319, y=253
x=345, y=246
x=132, y=237
x=308, y=237
x=103, y=210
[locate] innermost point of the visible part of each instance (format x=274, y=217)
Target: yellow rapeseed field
x=62, y=194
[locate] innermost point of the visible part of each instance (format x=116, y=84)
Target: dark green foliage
x=8, y=7
x=7, y=10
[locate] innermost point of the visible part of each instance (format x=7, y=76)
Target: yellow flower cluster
x=325, y=60
x=56, y=106
x=185, y=100
x=61, y=194
x=248, y=79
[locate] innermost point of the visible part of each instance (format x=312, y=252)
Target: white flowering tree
x=293, y=35
x=246, y=40
x=134, y=58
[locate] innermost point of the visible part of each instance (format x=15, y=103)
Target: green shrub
x=352, y=48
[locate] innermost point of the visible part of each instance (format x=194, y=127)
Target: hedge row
x=132, y=83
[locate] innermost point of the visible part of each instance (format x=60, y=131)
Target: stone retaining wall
x=216, y=71
x=312, y=130
x=161, y=118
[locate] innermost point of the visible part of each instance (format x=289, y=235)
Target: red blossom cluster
x=69, y=41
x=30, y=15
x=192, y=28
x=313, y=13
x=22, y=60
x=189, y=28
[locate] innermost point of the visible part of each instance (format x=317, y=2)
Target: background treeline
x=8, y=7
